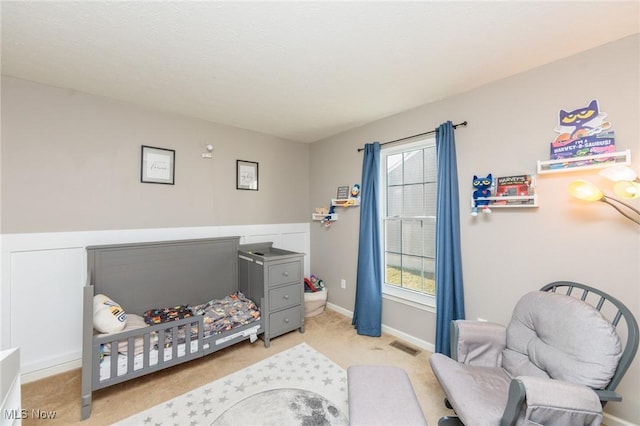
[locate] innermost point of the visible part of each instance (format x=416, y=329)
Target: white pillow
x=133, y=322
x=108, y=316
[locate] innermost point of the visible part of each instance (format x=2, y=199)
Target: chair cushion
x=559, y=336
x=477, y=394
x=382, y=395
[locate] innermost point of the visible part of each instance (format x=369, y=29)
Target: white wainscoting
x=43, y=274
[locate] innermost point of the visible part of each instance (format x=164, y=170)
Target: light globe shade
x=583, y=190
x=628, y=190
x=618, y=172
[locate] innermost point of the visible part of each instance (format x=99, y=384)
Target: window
x=409, y=180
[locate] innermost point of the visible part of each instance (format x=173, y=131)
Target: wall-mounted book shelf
x=320, y=216
x=508, y=202
x=346, y=202
x=574, y=164
x=515, y=191
x=336, y=202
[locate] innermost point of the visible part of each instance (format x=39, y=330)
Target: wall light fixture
x=627, y=185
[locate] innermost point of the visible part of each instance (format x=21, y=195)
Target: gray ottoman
x=382, y=395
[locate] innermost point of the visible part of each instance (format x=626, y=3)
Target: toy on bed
x=482, y=187
x=108, y=316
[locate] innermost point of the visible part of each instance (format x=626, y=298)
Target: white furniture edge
x=10, y=407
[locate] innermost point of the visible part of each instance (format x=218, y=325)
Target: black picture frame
x=247, y=175
x=343, y=192
x=157, y=165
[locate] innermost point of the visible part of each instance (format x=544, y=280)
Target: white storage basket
x=314, y=303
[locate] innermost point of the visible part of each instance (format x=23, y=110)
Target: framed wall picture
x=343, y=192
x=246, y=175
x=158, y=165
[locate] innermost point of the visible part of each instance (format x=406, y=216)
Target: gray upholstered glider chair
x=558, y=362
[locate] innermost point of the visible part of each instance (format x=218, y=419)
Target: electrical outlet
x=343, y=283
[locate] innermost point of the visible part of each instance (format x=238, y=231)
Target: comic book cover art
x=514, y=186
x=582, y=132
x=601, y=143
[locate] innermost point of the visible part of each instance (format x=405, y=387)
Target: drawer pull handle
x=285, y=273
x=286, y=320
x=285, y=297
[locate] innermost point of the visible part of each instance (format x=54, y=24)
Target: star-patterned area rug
x=299, y=386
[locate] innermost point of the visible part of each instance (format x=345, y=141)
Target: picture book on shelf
x=582, y=132
x=515, y=186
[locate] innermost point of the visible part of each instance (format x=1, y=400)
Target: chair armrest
x=608, y=395
x=478, y=343
x=550, y=401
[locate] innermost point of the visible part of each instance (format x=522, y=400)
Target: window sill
x=409, y=298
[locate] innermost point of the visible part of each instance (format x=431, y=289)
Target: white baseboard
x=50, y=371
x=423, y=344
x=340, y=310
x=610, y=420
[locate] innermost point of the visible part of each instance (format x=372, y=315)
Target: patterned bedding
x=225, y=314
x=219, y=315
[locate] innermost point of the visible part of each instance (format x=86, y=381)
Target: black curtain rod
x=464, y=123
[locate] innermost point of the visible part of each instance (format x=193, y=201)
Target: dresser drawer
x=283, y=297
x=282, y=273
x=284, y=321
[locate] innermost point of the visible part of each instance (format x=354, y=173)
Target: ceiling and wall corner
x=301, y=71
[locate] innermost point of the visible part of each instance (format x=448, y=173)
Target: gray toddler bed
x=145, y=276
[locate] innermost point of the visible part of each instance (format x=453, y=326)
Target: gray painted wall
x=513, y=250
x=71, y=162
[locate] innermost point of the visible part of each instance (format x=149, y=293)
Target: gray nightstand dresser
x=273, y=278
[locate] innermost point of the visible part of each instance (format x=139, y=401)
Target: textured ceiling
x=298, y=70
